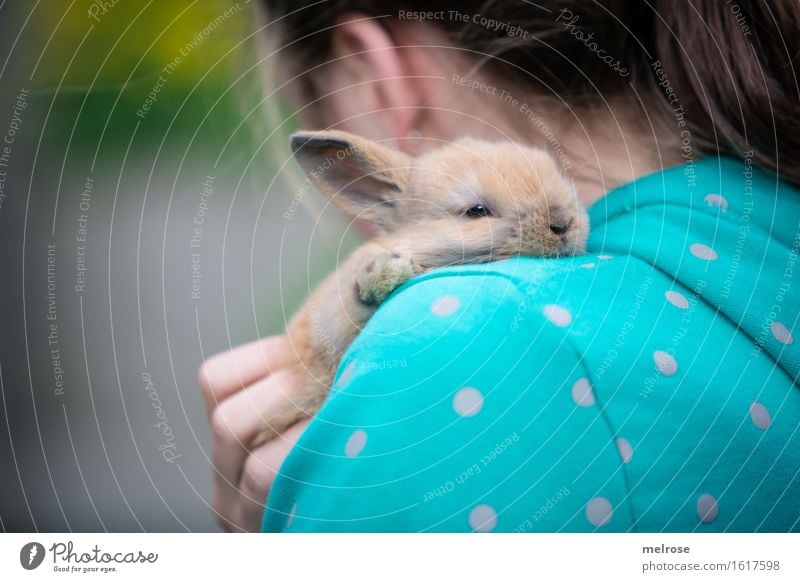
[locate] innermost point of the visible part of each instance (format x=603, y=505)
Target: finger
x=260, y=470
x=240, y=417
x=227, y=372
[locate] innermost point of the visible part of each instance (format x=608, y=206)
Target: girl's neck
x=602, y=148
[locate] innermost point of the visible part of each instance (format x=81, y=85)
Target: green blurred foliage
x=102, y=61
x=151, y=32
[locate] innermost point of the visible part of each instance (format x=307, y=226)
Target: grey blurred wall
x=130, y=250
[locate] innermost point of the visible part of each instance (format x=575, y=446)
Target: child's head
x=697, y=78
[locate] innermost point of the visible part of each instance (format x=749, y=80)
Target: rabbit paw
x=382, y=276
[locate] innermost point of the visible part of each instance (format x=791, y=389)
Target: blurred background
x=148, y=219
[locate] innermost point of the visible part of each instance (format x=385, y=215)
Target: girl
x=646, y=386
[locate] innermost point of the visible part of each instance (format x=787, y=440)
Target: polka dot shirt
x=649, y=385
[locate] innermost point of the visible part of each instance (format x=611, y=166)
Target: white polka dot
x=605, y=257
x=665, y=363
x=588, y=265
x=599, y=511
x=558, y=315
x=582, y=393
x=625, y=450
x=677, y=299
x=782, y=333
x=483, y=518
x=718, y=201
x=703, y=252
x=468, y=401
x=707, y=508
x=291, y=516
x=346, y=375
x=445, y=306
x=760, y=415
x=356, y=443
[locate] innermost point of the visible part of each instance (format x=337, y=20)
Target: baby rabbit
x=468, y=202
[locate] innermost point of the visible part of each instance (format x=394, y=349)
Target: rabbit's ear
x=362, y=177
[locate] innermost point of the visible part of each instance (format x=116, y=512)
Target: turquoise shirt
x=648, y=385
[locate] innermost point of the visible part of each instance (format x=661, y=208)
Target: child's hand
x=241, y=387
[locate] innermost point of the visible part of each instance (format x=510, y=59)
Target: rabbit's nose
x=561, y=227
x=560, y=221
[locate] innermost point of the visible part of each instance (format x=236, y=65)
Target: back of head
x=720, y=76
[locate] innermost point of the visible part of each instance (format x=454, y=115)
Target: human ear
x=371, y=87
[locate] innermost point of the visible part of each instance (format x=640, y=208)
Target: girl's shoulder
x=638, y=386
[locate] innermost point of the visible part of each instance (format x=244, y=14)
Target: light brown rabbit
x=468, y=202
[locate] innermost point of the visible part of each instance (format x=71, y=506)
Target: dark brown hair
x=725, y=70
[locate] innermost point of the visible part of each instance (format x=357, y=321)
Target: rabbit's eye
x=477, y=211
